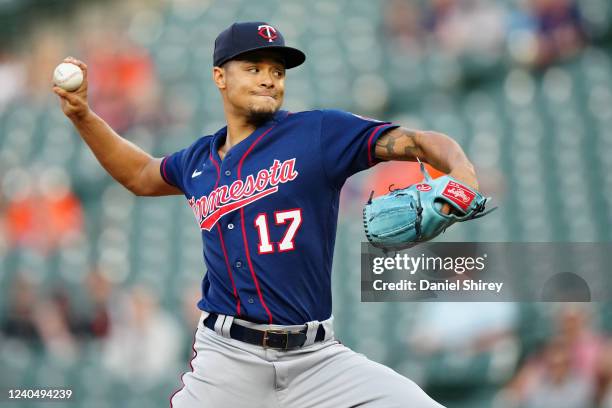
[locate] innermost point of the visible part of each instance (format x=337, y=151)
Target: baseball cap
x=240, y=38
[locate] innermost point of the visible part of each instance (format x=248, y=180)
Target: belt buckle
x=266, y=338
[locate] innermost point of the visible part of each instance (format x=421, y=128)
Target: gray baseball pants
x=230, y=373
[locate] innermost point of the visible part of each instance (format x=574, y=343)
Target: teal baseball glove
x=407, y=216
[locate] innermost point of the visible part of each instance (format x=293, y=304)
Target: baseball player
x=264, y=191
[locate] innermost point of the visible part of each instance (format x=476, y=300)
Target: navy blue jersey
x=268, y=211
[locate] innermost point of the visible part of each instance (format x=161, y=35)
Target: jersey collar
x=237, y=150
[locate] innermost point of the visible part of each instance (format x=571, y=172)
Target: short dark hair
x=257, y=56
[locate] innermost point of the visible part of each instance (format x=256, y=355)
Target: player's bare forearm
x=122, y=159
x=437, y=149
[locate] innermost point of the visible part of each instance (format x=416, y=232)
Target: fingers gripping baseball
x=74, y=104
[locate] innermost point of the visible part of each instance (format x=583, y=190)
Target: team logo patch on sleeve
x=458, y=194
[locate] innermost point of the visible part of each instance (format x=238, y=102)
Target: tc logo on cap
x=268, y=32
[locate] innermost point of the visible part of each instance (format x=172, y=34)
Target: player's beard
x=258, y=117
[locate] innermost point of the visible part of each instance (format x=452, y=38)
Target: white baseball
x=68, y=76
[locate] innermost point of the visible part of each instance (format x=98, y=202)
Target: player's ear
x=219, y=77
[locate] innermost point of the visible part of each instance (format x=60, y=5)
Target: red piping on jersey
x=195, y=354
x=370, y=162
x=218, y=170
x=164, y=169
x=227, y=264
x=246, y=243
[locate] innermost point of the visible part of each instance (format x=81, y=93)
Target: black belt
x=277, y=339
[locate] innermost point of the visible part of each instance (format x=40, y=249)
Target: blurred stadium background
x=98, y=287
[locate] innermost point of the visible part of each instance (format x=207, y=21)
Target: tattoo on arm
x=398, y=144
x=436, y=149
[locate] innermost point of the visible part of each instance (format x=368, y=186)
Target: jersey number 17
x=293, y=217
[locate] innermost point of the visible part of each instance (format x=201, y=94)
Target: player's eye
x=279, y=74
x=253, y=70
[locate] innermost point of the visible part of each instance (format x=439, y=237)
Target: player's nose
x=266, y=81
x=267, y=78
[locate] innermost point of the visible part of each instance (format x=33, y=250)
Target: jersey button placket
x=228, y=173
